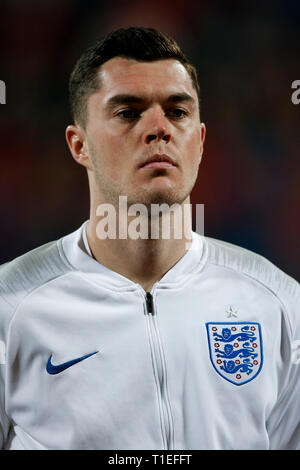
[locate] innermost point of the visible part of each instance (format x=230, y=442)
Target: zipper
x=167, y=423
x=149, y=303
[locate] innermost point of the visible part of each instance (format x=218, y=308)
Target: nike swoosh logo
x=52, y=369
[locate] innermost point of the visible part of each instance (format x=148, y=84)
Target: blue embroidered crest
x=235, y=350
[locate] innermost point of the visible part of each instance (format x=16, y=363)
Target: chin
x=167, y=196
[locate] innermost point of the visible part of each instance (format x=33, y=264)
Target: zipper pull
x=149, y=303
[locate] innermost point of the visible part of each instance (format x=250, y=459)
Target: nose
x=157, y=127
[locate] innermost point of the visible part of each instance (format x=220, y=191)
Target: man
x=150, y=342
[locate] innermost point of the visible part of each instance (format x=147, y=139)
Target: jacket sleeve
x=5, y=309
x=284, y=421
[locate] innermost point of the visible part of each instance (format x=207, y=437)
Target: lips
x=158, y=161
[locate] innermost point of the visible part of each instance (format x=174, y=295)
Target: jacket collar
x=77, y=251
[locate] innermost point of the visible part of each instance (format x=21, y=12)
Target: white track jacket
x=209, y=359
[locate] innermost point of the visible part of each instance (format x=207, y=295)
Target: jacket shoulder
x=254, y=266
x=26, y=273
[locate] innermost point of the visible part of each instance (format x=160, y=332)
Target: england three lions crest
x=235, y=350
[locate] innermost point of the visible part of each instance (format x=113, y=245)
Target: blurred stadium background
x=247, y=56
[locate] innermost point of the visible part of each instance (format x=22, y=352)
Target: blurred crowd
x=247, y=57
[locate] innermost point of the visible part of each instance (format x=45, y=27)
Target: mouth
x=158, y=161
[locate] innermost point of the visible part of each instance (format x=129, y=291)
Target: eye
x=177, y=113
x=128, y=114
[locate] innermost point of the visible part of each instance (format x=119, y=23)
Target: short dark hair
x=138, y=43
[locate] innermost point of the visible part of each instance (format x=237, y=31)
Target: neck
x=163, y=241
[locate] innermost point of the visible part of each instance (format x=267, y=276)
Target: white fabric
x=152, y=384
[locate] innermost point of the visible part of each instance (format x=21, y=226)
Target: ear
x=76, y=141
x=202, y=138
x=203, y=134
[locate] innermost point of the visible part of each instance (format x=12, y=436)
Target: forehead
x=161, y=77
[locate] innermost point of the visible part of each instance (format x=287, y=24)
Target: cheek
x=110, y=150
x=193, y=145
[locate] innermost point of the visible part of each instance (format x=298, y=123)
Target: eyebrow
x=129, y=99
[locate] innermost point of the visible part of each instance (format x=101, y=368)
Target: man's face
x=144, y=109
